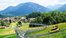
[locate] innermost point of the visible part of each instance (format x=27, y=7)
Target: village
x=6, y=21
x=24, y=28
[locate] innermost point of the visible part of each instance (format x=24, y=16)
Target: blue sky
x=5, y=3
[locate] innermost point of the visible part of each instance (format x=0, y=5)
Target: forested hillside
x=53, y=17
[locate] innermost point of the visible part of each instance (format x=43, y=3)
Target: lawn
x=7, y=33
x=60, y=25
x=10, y=33
x=8, y=36
x=61, y=34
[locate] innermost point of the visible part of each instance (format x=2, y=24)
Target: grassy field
x=60, y=25
x=8, y=36
x=6, y=33
x=10, y=33
x=61, y=34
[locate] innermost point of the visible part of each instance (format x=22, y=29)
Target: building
x=35, y=25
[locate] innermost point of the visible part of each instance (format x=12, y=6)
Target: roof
x=36, y=24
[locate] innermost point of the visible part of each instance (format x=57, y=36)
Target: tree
x=53, y=17
x=19, y=23
x=2, y=23
x=34, y=15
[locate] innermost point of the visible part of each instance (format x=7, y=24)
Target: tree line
x=52, y=17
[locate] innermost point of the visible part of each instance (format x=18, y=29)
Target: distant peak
x=64, y=5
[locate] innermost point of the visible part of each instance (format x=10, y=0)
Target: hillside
x=2, y=16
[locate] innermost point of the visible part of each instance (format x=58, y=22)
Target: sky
x=6, y=3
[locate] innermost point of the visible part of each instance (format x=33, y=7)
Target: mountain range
x=62, y=8
x=29, y=7
x=54, y=7
x=24, y=9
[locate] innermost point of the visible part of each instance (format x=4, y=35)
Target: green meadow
x=10, y=33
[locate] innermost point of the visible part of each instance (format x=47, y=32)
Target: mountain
x=62, y=8
x=7, y=10
x=23, y=9
x=54, y=7
x=3, y=16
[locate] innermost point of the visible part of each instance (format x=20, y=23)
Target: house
x=23, y=19
x=30, y=19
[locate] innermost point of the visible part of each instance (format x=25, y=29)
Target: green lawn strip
x=9, y=36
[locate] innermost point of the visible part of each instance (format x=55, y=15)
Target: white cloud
x=5, y=3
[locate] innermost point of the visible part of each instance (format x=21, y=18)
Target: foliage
x=19, y=23
x=2, y=23
x=52, y=17
x=34, y=15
